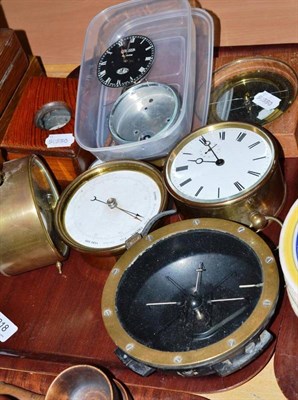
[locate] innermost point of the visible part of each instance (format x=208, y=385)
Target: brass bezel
x=101, y=169
x=60, y=249
x=218, y=351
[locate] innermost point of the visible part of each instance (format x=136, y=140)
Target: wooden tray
x=286, y=355
x=59, y=321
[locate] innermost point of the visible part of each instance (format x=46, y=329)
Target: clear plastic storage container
x=183, y=40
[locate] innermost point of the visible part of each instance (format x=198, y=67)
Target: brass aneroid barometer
x=193, y=297
x=28, y=197
x=228, y=170
x=106, y=205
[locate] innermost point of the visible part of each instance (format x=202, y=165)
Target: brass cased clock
x=228, y=170
x=28, y=197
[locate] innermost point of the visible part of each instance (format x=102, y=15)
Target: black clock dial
x=189, y=290
x=126, y=61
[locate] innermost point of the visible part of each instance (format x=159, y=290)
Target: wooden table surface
x=59, y=321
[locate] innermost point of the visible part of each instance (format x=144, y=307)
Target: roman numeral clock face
x=219, y=163
x=126, y=61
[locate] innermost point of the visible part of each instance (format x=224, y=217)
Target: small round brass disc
x=238, y=87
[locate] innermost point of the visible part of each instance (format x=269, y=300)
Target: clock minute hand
x=182, y=290
x=207, y=143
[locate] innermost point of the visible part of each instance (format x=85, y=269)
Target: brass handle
x=19, y=393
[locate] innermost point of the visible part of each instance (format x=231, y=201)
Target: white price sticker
x=7, y=328
x=263, y=114
x=266, y=100
x=59, y=140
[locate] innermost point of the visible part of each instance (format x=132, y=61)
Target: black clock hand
x=211, y=148
x=112, y=203
x=200, y=161
x=229, y=276
x=182, y=290
x=219, y=161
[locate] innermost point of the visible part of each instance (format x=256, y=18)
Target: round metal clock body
x=28, y=197
x=193, y=296
x=106, y=205
x=126, y=61
x=254, y=89
x=144, y=111
x=228, y=170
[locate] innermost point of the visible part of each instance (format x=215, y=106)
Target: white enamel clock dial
x=220, y=163
x=109, y=204
x=227, y=170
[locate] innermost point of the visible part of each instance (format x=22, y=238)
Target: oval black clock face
x=126, y=61
x=189, y=291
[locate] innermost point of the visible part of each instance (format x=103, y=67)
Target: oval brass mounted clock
x=253, y=89
x=28, y=197
x=106, y=205
x=201, y=307
x=228, y=170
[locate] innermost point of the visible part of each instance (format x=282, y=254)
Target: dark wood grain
x=14, y=63
x=34, y=69
x=286, y=355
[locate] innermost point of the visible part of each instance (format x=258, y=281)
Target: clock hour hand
x=112, y=203
x=181, y=289
x=200, y=161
